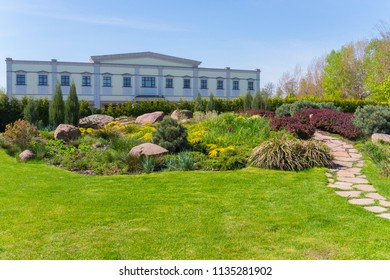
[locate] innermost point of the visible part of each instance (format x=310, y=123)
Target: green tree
x=72, y=107
x=84, y=109
x=30, y=112
x=198, y=104
x=57, y=107
x=248, y=101
x=211, y=105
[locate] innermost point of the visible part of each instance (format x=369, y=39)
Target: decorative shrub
x=290, y=154
x=302, y=104
x=372, y=119
x=171, y=135
x=57, y=107
x=262, y=113
x=283, y=110
x=72, y=107
x=20, y=133
x=293, y=125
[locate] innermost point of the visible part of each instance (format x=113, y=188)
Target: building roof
x=174, y=59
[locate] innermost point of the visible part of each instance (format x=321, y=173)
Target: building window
x=65, y=80
x=42, y=80
x=86, y=81
x=148, y=82
x=106, y=81
x=220, y=84
x=126, y=81
x=186, y=83
x=169, y=83
x=203, y=84
x=250, y=85
x=236, y=85
x=20, y=80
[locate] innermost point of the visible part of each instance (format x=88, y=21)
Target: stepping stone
x=375, y=196
x=345, y=173
x=384, y=203
x=353, y=180
x=361, y=201
x=330, y=180
x=365, y=188
x=354, y=151
x=343, y=184
x=339, y=154
x=340, y=187
x=348, y=159
x=385, y=215
x=354, y=170
x=328, y=175
x=375, y=209
x=348, y=193
x=361, y=176
x=343, y=163
x=356, y=156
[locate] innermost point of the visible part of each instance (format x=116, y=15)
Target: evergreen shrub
x=372, y=119
x=171, y=135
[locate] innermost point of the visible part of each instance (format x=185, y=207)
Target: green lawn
x=49, y=213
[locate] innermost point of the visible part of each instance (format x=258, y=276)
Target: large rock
x=125, y=120
x=182, y=115
x=150, y=117
x=148, y=149
x=95, y=121
x=26, y=155
x=376, y=137
x=66, y=132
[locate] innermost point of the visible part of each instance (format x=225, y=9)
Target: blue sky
x=245, y=34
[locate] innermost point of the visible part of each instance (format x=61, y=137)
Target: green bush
x=248, y=101
x=171, y=135
x=283, y=110
x=372, y=119
x=302, y=104
x=20, y=133
x=30, y=112
x=72, y=107
x=57, y=107
x=290, y=154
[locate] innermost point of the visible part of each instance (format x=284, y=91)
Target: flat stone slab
x=330, y=180
x=340, y=187
x=375, y=209
x=384, y=215
x=348, y=193
x=365, y=188
x=339, y=154
x=361, y=201
x=355, y=155
x=343, y=184
x=328, y=175
x=343, y=163
x=353, y=180
x=384, y=203
x=348, y=159
x=375, y=196
x=345, y=173
x=354, y=170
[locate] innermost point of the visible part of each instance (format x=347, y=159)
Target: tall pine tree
x=57, y=108
x=72, y=107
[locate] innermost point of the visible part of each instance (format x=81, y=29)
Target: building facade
x=132, y=76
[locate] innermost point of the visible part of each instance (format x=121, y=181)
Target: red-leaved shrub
x=293, y=125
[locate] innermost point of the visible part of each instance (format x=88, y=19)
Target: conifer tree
x=211, y=103
x=198, y=105
x=72, y=107
x=248, y=101
x=30, y=112
x=57, y=108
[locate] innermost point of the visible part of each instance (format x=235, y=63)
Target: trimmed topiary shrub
x=290, y=154
x=171, y=135
x=372, y=119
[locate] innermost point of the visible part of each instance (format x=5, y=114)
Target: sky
x=273, y=36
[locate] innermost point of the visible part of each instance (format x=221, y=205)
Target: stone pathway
x=347, y=179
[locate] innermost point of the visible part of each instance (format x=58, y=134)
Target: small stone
x=340, y=187
x=343, y=184
x=384, y=203
x=348, y=159
x=359, y=165
x=26, y=155
x=361, y=201
x=348, y=193
x=385, y=215
x=375, y=196
x=353, y=151
x=376, y=137
x=328, y=175
x=345, y=173
x=365, y=188
x=355, y=156
x=339, y=154
x=353, y=180
x=330, y=180
x=361, y=176
x=375, y=209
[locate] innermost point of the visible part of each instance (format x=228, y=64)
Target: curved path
x=347, y=179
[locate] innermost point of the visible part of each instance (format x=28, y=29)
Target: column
x=228, y=83
x=136, y=81
x=160, y=82
x=195, y=81
x=53, y=75
x=258, y=71
x=9, y=77
x=96, y=84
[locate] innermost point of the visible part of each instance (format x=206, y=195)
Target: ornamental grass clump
x=290, y=154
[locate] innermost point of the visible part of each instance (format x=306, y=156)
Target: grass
x=49, y=213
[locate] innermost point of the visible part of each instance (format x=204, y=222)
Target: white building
x=121, y=77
